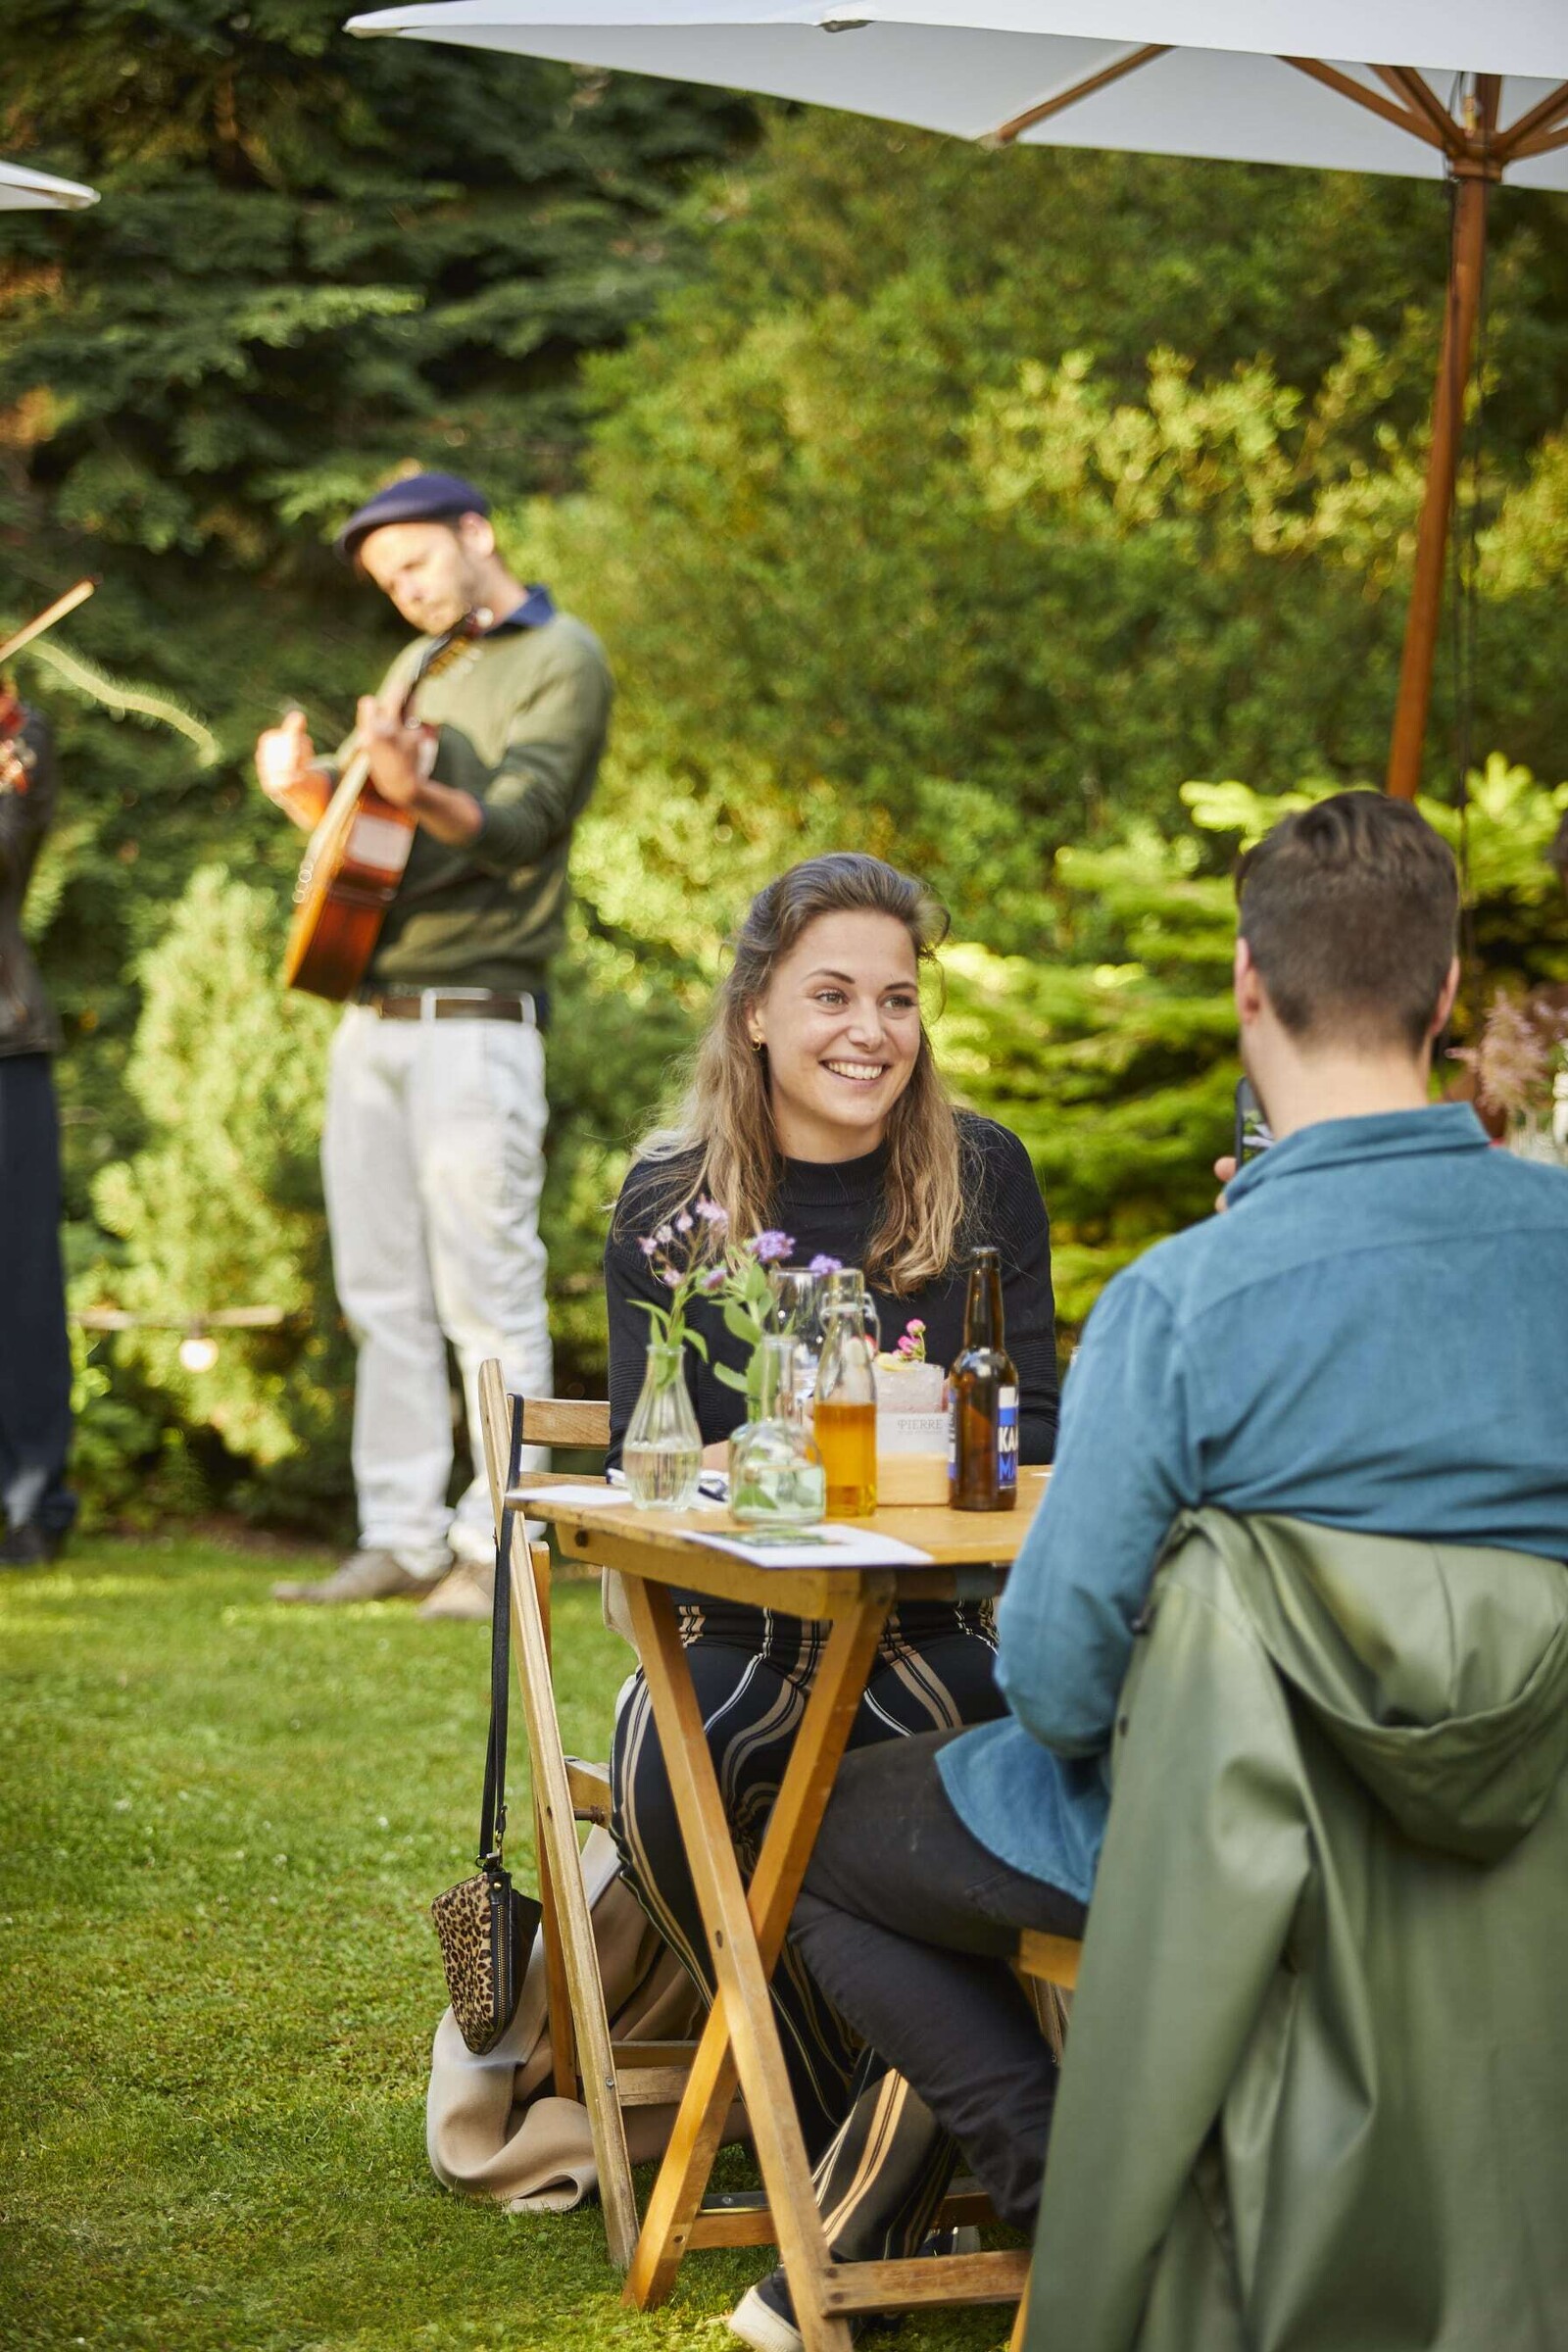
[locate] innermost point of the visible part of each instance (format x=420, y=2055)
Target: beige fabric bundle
x=493, y=2127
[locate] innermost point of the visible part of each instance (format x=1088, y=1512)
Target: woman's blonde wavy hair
x=725, y=1119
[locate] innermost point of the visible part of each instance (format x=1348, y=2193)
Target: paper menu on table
x=827, y=1546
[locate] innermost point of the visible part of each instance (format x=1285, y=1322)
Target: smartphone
x=1252, y=1132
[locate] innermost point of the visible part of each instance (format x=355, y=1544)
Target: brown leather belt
x=449, y=1005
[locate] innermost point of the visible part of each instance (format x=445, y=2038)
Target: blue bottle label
x=1007, y=1438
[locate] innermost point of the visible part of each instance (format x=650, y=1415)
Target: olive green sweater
x=523, y=716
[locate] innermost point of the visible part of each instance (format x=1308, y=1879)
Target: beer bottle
x=983, y=1401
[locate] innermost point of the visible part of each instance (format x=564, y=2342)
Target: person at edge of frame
x=432, y=1149
x=817, y=1115
x=34, y=1345
x=1260, y=1362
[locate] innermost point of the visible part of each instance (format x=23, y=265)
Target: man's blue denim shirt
x=1374, y=1336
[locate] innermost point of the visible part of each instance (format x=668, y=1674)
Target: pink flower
x=647, y=1244
x=711, y=1212
x=683, y=1223
x=670, y=1278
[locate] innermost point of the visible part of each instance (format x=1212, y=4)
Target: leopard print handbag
x=485, y=1924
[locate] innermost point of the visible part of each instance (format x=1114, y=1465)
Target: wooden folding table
x=653, y=1552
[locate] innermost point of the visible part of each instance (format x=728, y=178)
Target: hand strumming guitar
x=401, y=756
x=285, y=757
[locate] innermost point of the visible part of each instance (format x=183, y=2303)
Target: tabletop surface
x=952, y=1538
x=658, y=1543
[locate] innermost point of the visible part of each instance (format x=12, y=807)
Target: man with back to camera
x=432, y=1150
x=1373, y=1338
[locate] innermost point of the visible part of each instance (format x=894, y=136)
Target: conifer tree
x=317, y=259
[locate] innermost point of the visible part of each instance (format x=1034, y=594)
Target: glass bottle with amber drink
x=983, y=1401
x=844, y=1415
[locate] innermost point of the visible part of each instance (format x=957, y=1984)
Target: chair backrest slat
x=566, y=1421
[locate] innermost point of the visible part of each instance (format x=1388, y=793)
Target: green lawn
x=220, y=1823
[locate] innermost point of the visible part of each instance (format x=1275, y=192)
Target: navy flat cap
x=418, y=498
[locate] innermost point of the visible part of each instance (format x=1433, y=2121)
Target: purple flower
x=770, y=1249
x=825, y=1266
x=711, y=1281
x=647, y=1244
x=711, y=1212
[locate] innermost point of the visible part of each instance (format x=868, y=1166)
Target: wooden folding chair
x=566, y=1791
x=1049, y=1964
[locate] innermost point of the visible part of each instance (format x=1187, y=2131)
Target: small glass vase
x=662, y=1452
x=775, y=1472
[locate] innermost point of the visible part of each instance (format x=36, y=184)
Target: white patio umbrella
x=1276, y=82
x=23, y=191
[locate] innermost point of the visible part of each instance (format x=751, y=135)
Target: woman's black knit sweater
x=833, y=1210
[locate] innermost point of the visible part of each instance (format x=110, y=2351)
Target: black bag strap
x=493, y=1818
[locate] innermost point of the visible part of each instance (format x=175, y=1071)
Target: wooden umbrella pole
x=1460, y=314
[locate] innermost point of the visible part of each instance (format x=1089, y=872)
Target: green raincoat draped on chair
x=1316, y=2090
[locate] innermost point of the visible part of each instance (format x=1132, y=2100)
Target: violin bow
x=47, y=618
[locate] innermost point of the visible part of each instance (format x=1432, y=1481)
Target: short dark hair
x=1352, y=910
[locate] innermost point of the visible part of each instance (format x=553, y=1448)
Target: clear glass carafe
x=775, y=1472
x=796, y=1314
x=844, y=1413
x=662, y=1452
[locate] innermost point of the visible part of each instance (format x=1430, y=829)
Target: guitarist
x=432, y=1151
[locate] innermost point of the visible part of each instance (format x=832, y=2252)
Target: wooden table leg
x=744, y=1935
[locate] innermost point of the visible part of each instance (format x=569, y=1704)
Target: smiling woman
x=815, y=1112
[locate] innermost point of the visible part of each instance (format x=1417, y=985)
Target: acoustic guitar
x=356, y=855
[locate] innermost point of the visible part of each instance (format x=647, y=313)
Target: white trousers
x=432, y=1155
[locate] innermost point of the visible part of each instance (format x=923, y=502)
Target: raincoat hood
x=1440, y=1673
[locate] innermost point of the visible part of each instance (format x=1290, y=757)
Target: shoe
x=764, y=2317
x=468, y=1590
x=962, y=2239
x=29, y=1545
x=364, y=1576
